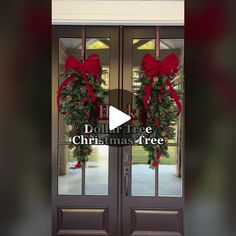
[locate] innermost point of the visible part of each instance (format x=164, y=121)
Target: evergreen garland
x=78, y=108
x=160, y=114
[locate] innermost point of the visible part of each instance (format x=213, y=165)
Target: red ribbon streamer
x=91, y=66
x=77, y=166
x=174, y=96
x=151, y=68
x=158, y=153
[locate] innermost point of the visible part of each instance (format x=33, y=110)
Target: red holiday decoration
x=153, y=67
x=77, y=166
x=76, y=100
x=91, y=65
x=85, y=100
x=156, y=101
x=155, y=164
x=158, y=153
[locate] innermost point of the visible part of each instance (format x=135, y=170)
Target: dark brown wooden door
x=152, y=200
x=84, y=200
x=115, y=193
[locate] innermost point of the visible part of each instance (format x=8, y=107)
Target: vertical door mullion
x=119, y=149
x=83, y=179
x=157, y=51
x=83, y=56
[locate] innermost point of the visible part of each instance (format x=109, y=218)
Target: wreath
x=158, y=103
x=78, y=98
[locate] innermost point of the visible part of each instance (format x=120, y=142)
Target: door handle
x=126, y=180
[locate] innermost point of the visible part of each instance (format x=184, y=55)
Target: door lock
x=126, y=180
x=126, y=158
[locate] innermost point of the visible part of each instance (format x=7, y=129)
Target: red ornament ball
x=155, y=164
x=155, y=79
x=162, y=90
x=85, y=100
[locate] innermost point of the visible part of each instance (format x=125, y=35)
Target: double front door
x=116, y=193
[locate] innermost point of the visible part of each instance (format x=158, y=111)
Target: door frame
x=60, y=202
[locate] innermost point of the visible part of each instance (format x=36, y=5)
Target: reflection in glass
x=69, y=180
x=100, y=46
x=63, y=129
x=169, y=180
x=96, y=168
x=143, y=178
x=169, y=174
x=140, y=48
x=67, y=47
x=96, y=171
x=169, y=171
x=176, y=135
x=176, y=46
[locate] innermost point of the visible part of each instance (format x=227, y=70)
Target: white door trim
x=78, y=12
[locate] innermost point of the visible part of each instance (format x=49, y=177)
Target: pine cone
x=154, y=97
x=83, y=91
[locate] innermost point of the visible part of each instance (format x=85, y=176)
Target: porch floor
x=143, y=181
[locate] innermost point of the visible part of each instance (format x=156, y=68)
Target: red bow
x=169, y=66
x=153, y=67
x=91, y=66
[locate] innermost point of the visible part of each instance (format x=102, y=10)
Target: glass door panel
x=91, y=178
x=67, y=46
x=69, y=180
x=170, y=168
x=168, y=174
x=101, y=47
x=143, y=178
x=169, y=182
x=96, y=171
x=140, y=48
x=96, y=168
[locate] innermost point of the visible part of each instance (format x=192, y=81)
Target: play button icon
x=117, y=118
